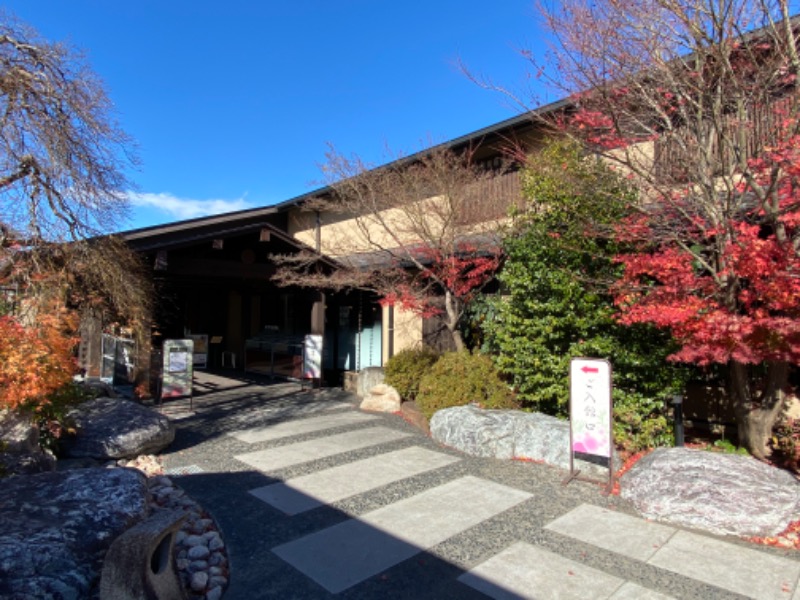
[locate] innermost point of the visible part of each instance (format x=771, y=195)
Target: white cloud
x=187, y=208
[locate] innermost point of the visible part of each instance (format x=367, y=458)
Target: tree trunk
x=757, y=410
x=453, y=317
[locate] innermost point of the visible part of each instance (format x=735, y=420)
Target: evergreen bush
x=405, y=369
x=459, y=378
x=556, y=303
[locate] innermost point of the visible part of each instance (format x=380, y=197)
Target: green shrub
x=405, y=370
x=459, y=378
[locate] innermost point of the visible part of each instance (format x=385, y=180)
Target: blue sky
x=232, y=104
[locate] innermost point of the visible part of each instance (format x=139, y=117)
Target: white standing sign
x=590, y=406
x=590, y=413
x=312, y=357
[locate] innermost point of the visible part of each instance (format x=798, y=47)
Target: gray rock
x=18, y=432
x=475, y=431
x=542, y=438
x=198, y=553
x=20, y=453
x=55, y=528
x=115, y=428
x=509, y=434
x=27, y=464
x=382, y=398
x=214, y=593
x=367, y=379
x=199, y=581
x=725, y=494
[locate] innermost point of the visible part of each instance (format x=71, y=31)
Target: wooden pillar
x=318, y=315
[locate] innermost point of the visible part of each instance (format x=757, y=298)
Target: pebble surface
x=200, y=553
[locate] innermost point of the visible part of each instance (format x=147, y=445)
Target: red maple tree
x=422, y=232
x=696, y=101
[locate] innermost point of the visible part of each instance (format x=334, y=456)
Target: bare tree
x=420, y=232
x=697, y=101
x=62, y=181
x=62, y=156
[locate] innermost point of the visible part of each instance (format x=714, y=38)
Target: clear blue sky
x=232, y=103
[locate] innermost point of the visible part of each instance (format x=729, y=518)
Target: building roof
x=502, y=131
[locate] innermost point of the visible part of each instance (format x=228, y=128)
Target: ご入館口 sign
x=590, y=407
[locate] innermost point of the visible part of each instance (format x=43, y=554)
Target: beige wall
x=407, y=331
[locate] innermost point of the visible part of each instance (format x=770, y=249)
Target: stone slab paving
x=466, y=530
x=343, y=555
x=331, y=485
x=713, y=561
x=277, y=431
x=273, y=459
x=523, y=571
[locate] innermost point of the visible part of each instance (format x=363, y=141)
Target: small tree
x=419, y=231
x=697, y=101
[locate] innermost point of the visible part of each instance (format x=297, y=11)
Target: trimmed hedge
x=460, y=378
x=406, y=369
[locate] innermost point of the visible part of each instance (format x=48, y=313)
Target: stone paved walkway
x=316, y=499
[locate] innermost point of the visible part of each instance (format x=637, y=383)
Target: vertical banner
x=590, y=414
x=312, y=357
x=176, y=374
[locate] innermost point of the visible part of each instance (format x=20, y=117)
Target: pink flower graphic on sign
x=591, y=443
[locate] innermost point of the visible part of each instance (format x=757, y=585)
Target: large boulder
x=55, y=529
x=507, y=434
x=725, y=494
x=382, y=398
x=368, y=378
x=112, y=428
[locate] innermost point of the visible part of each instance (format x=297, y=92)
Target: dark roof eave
x=178, y=226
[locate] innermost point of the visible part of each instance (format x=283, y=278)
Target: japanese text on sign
x=590, y=406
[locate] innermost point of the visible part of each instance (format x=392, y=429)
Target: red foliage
x=730, y=291
x=462, y=273
x=34, y=361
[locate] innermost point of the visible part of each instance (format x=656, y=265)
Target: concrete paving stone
x=523, y=571
x=633, y=591
x=286, y=429
x=614, y=531
x=345, y=554
x=728, y=566
x=724, y=565
x=281, y=457
x=331, y=485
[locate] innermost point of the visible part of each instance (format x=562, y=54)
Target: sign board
x=200, y=354
x=176, y=377
x=312, y=357
x=590, y=413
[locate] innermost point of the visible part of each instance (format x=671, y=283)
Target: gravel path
x=202, y=462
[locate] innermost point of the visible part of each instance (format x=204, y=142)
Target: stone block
x=382, y=398
x=367, y=379
x=139, y=564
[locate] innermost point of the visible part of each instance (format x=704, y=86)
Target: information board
x=200, y=353
x=176, y=377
